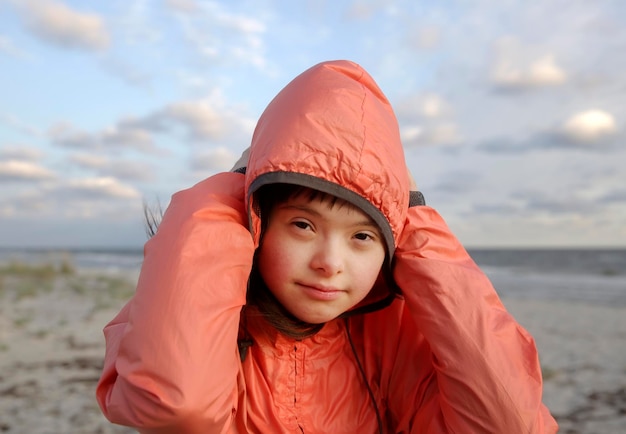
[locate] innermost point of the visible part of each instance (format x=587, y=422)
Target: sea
x=596, y=276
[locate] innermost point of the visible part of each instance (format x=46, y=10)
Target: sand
x=51, y=349
x=582, y=349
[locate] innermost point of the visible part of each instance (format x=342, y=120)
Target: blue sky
x=512, y=112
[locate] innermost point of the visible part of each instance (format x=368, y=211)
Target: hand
x=243, y=160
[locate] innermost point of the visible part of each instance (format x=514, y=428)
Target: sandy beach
x=51, y=349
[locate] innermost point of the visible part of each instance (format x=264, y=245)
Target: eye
x=364, y=236
x=301, y=224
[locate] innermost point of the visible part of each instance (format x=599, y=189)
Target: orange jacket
x=445, y=356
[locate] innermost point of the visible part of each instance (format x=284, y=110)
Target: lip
x=323, y=293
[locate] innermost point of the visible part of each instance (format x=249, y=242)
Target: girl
x=311, y=291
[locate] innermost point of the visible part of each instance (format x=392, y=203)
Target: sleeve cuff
x=416, y=198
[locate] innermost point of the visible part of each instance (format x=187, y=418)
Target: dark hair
x=153, y=216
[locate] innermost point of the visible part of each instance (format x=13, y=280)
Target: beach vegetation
x=78, y=286
x=28, y=280
x=16, y=268
x=44, y=270
x=42, y=333
x=111, y=290
x=31, y=279
x=22, y=280
x=116, y=288
x=22, y=321
x=28, y=288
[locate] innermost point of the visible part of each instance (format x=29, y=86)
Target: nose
x=328, y=257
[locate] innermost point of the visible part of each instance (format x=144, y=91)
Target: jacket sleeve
x=171, y=363
x=482, y=368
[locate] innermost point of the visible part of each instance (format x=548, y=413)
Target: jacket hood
x=332, y=129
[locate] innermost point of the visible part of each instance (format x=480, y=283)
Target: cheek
x=275, y=260
x=369, y=270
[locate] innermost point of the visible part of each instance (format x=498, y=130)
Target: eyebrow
x=366, y=222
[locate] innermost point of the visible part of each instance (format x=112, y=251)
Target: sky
x=512, y=112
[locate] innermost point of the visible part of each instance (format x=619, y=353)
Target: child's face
x=319, y=260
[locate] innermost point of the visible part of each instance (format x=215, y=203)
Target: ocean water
x=596, y=276
x=587, y=275
x=108, y=260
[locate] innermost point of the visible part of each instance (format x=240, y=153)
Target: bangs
x=312, y=195
x=271, y=195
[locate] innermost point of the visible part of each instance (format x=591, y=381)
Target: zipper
x=296, y=383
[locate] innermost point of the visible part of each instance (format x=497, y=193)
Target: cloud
x=615, y=196
x=518, y=67
x=359, y=11
x=529, y=204
x=118, y=168
x=425, y=120
x=544, y=71
x=503, y=145
x=215, y=160
x=438, y=134
x=590, y=126
x=590, y=130
x=16, y=170
x=223, y=37
x=184, y=6
x=362, y=11
x=201, y=119
x=91, y=161
x=65, y=134
x=422, y=105
x=207, y=120
x=129, y=171
x=131, y=74
x=197, y=82
x=78, y=198
x=20, y=152
x=433, y=106
x=424, y=37
x=123, y=135
x=104, y=187
x=541, y=72
x=441, y=133
x=57, y=24
x=553, y=204
x=32, y=203
x=457, y=183
x=17, y=124
x=137, y=24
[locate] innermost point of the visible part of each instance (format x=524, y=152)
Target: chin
x=317, y=318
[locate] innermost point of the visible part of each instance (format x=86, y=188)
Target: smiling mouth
x=321, y=293
x=320, y=288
